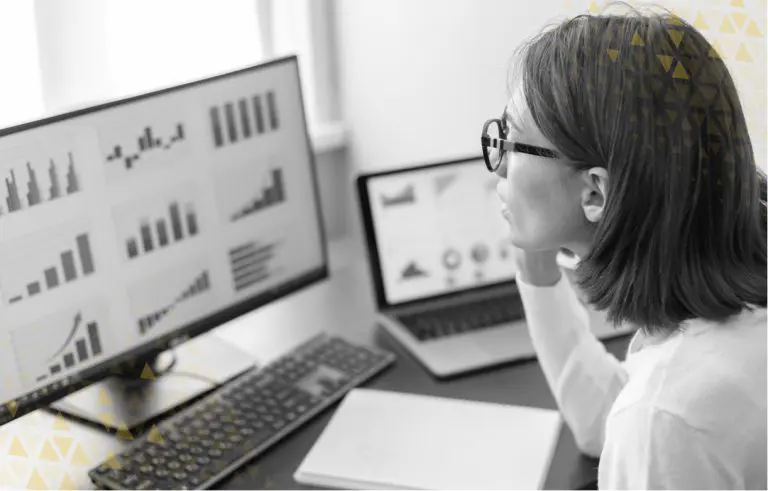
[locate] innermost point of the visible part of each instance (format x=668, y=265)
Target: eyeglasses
x=495, y=145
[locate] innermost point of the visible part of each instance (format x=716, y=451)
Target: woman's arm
x=584, y=378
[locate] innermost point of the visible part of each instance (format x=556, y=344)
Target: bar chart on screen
x=159, y=223
x=172, y=298
x=252, y=189
x=254, y=262
x=45, y=265
x=242, y=119
x=136, y=145
x=54, y=346
x=35, y=177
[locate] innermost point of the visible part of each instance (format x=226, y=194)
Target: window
x=79, y=52
x=20, y=90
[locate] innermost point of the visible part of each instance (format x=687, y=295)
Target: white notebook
x=391, y=440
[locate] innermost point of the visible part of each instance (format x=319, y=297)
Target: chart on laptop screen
x=439, y=230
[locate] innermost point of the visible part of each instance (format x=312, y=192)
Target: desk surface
x=42, y=451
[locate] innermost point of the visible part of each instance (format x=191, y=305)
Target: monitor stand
x=141, y=392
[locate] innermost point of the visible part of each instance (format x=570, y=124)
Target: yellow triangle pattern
x=13, y=406
x=112, y=462
x=742, y=54
x=104, y=399
x=737, y=3
x=715, y=51
x=17, y=449
x=677, y=36
x=666, y=61
x=79, y=457
x=593, y=7
x=49, y=453
x=726, y=26
x=753, y=30
x=637, y=40
x=67, y=483
x=107, y=419
x=60, y=423
x=613, y=54
x=63, y=443
x=154, y=436
x=680, y=72
x=700, y=23
x=36, y=481
x=123, y=433
x=739, y=18
x=146, y=373
x=675, y=20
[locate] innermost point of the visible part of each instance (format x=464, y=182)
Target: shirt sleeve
x=649, y=448
x=584, y=378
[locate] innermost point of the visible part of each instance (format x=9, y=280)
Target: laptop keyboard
x=466, y=317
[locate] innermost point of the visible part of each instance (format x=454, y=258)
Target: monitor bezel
x=42, y=397
x=372, y=248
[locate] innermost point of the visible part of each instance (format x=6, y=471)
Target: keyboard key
x=239, y=418
x=146, y=484
x=130, y=481
x=161, y=473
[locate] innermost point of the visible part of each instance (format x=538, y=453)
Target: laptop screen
x=438, y=230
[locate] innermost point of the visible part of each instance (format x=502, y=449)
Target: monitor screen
x=126, y=225
x=438, y=230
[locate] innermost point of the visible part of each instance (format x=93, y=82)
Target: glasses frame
x=504, y=145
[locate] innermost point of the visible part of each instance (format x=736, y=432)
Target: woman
x=624, y=142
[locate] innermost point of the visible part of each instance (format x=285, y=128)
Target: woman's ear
x=594, y=194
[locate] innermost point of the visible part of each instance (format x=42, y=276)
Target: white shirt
x=683, y=411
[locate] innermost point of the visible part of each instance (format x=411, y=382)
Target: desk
x=45, y=452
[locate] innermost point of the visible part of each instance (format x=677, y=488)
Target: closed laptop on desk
x=441, y=265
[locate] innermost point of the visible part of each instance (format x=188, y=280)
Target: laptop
x=441, y=266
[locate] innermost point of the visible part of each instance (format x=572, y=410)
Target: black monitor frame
x=40, y=398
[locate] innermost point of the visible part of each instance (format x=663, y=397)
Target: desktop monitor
x=132, y=225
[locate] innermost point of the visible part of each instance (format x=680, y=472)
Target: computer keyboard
x=448, y=321
x=205, y=442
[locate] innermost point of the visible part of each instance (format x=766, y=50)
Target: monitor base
x=127, y=400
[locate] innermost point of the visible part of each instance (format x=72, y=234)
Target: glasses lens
x=494, y=154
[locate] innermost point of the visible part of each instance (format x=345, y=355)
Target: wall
x=20, y=98
x=419, y=77
x=91, y=50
